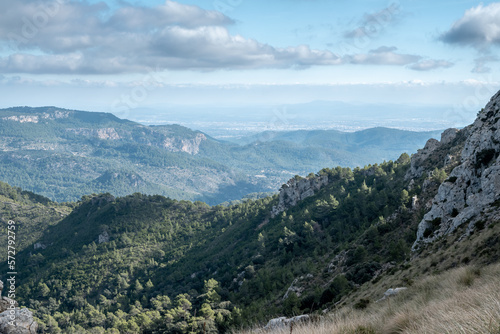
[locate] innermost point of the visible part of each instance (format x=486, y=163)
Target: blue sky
x=108, y=55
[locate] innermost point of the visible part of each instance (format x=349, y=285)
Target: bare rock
x=295, y=287
x=417, y=167
x=473, y=186
x=191, y=146
x=448, y=136
x=103, y=133
x=39, y=245
x=283, y=322
x=5, y=303
x=391, y=292
x=103, y=237
x=17, y=321
x=297, y=189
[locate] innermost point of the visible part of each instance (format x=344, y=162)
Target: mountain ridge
x=172, y=160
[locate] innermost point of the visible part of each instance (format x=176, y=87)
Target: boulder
x=103, y=237
x=391, y=292
x=282, y=322
x=17, y=321
x=5, y=303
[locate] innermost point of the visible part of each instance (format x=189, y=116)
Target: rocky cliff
x=14, y=320
x=297, y=189
x=471, y=193
x=188, y=145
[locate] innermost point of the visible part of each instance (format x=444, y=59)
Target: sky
x=120, y=56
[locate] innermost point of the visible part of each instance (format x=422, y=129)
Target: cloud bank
x=77, y=37
x=68, y=37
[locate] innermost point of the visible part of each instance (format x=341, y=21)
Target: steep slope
x=471, y=193
x=32, y=215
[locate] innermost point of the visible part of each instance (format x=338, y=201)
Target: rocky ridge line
x=471, y=194
x=297, y=189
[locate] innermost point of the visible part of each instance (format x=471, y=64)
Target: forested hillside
x=111, y=260
x=41, y=148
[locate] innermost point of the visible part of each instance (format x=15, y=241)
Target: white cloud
x=430, y=64
x=59, y=37
x=74, y=37
x=383, y=56
x=372, y=24
x=479, y=27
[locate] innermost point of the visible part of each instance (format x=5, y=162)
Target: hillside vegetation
x=40, y=148
x=161, y=248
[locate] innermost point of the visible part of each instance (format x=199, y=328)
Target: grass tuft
x=435, y=304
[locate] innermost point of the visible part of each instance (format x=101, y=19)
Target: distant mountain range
x=64, y=154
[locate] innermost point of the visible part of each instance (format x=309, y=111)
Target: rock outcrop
x=283, y=322
x=17, y=321
x=295, y=287
x=22, y=119
x=39, y=245
x=103, y=133
x=391, y=292
x=191, y=146
x=472, y=191
x=14, y=320
x=297, y=189
x=103, y=237
x=5, y=303
x=438, y=153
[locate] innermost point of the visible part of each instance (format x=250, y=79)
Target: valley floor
x=462, y=300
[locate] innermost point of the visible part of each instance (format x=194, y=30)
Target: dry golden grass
x=463, y=300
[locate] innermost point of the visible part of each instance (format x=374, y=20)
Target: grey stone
x=296, y=190
x=103, y=237
x=476, y=184
x=39, y=245
x=17, y=321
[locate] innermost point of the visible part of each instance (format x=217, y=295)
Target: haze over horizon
x=149, y=61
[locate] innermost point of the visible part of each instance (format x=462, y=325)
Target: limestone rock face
x=417, y=166
x=191, y=146
x=297, y=189
x=103, y=237
x=472, y=191
x=438, y=154
x=17, y=321
x=5, y=303
x=22, y=119
x=448, y=136
x=14, y=320
x=103, y=133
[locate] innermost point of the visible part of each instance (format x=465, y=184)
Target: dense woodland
x=182, y=267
